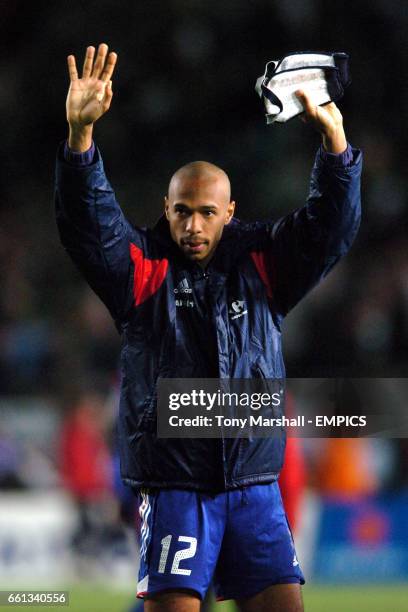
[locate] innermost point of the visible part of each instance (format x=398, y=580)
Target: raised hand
x=90, y=96
x=327, y=120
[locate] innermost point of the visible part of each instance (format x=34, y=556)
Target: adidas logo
x=183, y=287
x=181, y=291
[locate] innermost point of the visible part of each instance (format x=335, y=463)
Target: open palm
x=90, y=96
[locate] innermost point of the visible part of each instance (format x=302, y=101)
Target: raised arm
x=297, y=251
x=92, y=227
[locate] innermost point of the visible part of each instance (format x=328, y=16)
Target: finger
x=108, y=97
x=87, y=68
x=100, y=91
x=306, y=102
x=109, y=67
x=100, y=60
x=108, y=91
x=72, y=69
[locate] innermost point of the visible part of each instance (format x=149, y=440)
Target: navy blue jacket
x=178, y=321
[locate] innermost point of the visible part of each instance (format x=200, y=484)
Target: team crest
x=237, y=309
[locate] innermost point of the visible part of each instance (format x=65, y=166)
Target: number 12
x=186, y=553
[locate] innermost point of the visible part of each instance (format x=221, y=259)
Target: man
x=210, y=509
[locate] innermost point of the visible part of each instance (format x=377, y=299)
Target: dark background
x=184, y=90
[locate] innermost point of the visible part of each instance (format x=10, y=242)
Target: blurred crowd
x=184, y=90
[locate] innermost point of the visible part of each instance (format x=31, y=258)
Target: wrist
x=80, y=137
x=335, y=141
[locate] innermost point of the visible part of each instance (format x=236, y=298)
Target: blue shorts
x=239, y=540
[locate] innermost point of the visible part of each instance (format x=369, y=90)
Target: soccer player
x=210, y=508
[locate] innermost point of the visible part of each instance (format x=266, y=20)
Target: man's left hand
x=325, y=119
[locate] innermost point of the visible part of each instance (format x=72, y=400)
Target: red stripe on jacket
x=148, y=276
x=265, y=270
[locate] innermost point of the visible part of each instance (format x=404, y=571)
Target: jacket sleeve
x=298, y=250
x=96, y=234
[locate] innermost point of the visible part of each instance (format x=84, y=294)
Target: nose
x=193, y=225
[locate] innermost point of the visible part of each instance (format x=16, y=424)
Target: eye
x=209, y=213
x=181, y=212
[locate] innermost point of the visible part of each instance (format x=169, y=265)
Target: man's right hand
x=90, y=96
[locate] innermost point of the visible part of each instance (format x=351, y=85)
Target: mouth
x=194, y=246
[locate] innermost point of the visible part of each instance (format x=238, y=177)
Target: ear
x=230, y=212
x=166, y=207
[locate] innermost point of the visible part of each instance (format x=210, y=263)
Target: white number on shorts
x=164, y=553
x=186, y=553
